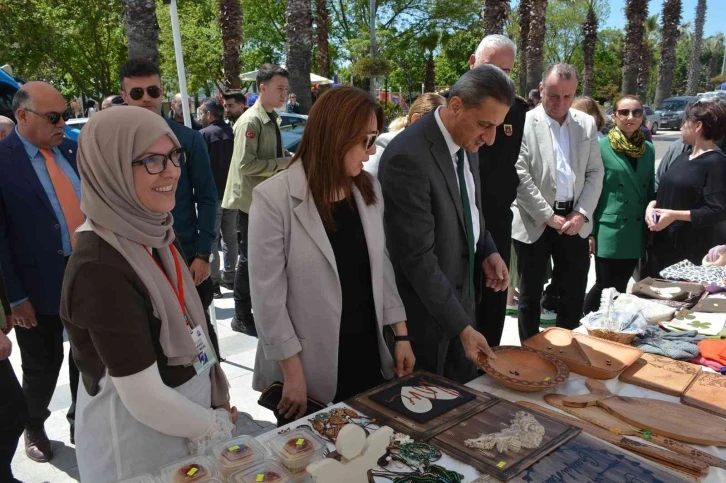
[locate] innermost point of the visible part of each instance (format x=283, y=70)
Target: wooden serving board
x=502, y=466
x=661, y=374
x=707, y=392
x=668, y=419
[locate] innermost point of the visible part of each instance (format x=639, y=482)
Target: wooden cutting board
x=661, y=374
x=668, y=419
x=707, y=392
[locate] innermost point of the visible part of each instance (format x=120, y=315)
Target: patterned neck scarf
x=633, y=147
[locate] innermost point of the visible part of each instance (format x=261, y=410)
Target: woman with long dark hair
x=322, y=284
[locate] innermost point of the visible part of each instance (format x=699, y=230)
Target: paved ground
x=662, y=140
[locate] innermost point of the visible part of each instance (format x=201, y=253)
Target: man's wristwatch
x=401, y=338
x=202, y=257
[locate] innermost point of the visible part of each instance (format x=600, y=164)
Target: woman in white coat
x=322, y=283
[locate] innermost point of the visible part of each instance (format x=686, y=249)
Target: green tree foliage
x=78, y=45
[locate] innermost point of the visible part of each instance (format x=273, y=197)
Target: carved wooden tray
x=707, y=391
x=502, y=466
x=661, y=374
x=589, y=356
x=524, y=369
x=420, y=431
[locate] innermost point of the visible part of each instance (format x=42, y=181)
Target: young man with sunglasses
x=258, y=154
x=39, y=212
x=196, y=194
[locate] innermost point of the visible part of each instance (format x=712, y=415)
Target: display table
x=574, y=385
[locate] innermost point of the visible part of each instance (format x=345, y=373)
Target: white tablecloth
x=574, y=385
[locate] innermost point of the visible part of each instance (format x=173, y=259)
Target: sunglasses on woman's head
x=138, y=92
x=53, y=117
x=156, y=163
x=626, y=112
x=371, y=140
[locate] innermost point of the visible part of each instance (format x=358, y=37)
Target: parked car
x=672, y=110
x=292, y=121
x=291, y=138
x=652, y=120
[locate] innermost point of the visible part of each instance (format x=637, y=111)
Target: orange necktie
x=66, y=194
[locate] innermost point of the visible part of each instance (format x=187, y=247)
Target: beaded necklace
x=429, y=474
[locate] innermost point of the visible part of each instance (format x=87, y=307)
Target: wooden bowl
x=524, y=369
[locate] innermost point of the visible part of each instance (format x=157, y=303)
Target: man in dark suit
x=220, y=144
x=39, y=212
x=499, y=181
x=434, y=228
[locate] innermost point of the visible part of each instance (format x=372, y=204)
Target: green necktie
x=467, y=216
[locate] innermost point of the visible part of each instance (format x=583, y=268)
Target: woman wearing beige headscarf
x=131, y=309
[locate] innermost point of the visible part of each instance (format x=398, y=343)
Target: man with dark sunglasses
x=195, y=212
x=39, y=213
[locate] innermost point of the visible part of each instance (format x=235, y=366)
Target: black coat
x=220, y=143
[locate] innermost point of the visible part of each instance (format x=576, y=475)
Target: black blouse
x=359, y=362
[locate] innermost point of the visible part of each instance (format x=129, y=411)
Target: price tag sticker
x=501, y=464
x=300, y=442
x=192, y=471
x=546, y=378
x=260, y=477
x=233, y=448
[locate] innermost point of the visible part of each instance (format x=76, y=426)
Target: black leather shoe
x=37, y=445
x=217, y=292
x=227, y=285
x=245, y=326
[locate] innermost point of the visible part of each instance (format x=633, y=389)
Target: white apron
x=111, y=445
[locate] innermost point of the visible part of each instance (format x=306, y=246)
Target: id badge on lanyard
x=205, y=353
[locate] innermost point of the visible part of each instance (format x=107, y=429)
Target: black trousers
x=13, y=416
x=571, y=262
x=609, y=272
x=492, y=310
x=242, y=298
x=41, y=352
x=206, y=294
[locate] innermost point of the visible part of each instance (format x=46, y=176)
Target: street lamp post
x=372, y=25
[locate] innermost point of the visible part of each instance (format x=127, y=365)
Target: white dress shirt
x=470, y=186
x=565, y=189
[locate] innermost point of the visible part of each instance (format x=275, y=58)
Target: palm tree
x=299, y=31
x=589, y=34
x=230, y=22
x=495, y=15
x=715, y=47
x=142, y=29
x=322, y=22
x=523, y=12
x=670, y=19
x=636, y=12
x=694, y=71
x=428, y=42
x=645, y=62
x=535, y=42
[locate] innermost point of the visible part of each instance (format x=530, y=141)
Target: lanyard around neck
x=179, y=289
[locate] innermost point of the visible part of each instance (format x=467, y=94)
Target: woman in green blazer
x=619, y=228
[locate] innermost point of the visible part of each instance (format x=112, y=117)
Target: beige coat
x=296, y=295
x=537, y=169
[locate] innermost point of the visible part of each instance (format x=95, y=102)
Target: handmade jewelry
x=524, y=431
x=429, y=474
x=328, y=424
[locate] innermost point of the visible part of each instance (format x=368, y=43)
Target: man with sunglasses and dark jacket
x=39, y=212
x=195, y=212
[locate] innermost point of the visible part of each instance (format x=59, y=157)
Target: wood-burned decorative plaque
x=661, y=374
x=421, y=404
x=708, y=391
x=502, y=466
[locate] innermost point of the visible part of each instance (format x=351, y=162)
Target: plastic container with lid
x=145, y=478
x=296, y=449
x=269, y=471
x=237, y=454
x=194, y=469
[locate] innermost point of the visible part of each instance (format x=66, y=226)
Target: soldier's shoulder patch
x=250, y=134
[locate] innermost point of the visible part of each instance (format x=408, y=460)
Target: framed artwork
x=421, y=404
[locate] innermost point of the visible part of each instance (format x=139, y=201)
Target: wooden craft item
x=668, y=419
x=359, y=454
x=420, y=431
x=681, y=463
x=502, y=466
x=585, y=355
x=708, y=391
x=661, y=374
x=614, y=425
x=524, y=369
x=586, y=459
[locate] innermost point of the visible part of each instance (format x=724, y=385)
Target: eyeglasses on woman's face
x=625, y=113
x=157, y=163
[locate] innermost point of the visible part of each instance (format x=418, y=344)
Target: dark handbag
x=271, y=397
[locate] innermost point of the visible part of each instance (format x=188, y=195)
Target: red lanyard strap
x=179, y=289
